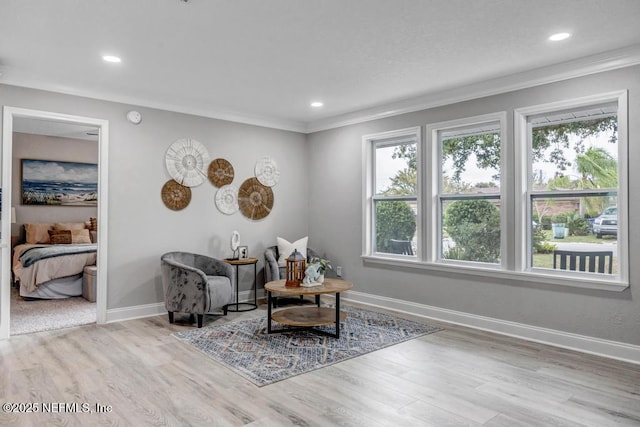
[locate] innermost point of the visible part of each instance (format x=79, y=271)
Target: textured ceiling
x=257, y=60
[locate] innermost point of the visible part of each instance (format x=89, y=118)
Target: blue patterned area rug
x=245, y=347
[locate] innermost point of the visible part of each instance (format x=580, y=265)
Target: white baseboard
x=611, y=349
x=135, y=312
x=149, y=310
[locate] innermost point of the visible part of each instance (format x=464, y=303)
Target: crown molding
x=605, y=61
x=611, y=60
x=231, y=116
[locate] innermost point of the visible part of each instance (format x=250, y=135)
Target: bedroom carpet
x=46, y=315
x=245, y=348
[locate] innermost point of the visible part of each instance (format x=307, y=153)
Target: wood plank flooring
x=455, y=377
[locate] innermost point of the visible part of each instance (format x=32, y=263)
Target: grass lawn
x=591, y=238
x=546, y=260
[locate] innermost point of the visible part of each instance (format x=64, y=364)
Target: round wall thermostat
x=134, y=117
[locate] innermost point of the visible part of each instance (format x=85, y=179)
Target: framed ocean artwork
x=55, y=183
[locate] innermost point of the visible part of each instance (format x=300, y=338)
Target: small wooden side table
x=237, y=263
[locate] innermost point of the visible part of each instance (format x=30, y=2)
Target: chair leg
x=171, y=317
x=200, y=317
x=225, y=309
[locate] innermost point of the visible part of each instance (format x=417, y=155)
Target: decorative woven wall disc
x=175, y=196
x=255, y=200
x=187, y=161
x=267, y=172
x=220, y=172
x=227, y=199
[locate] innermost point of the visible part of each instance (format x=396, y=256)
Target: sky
x=36, y=170
x=386, y=167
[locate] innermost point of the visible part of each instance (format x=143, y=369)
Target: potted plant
x=323, y=266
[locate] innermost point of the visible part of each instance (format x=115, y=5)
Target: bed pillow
x=80, y=236
x=38, y=233
x=285, y=248
x=60, y=237
x=69, y=226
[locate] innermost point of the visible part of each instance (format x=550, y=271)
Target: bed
x=51, y=267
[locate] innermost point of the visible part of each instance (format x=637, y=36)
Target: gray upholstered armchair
x=195, y=284
x=272, y=271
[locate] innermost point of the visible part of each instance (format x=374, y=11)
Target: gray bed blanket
x=35, y=254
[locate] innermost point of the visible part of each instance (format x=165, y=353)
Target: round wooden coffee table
x=307, y=317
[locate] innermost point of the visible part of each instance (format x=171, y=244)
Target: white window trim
x=432, y=223
x=427, y=208
x=368, y=185
x=522, y=134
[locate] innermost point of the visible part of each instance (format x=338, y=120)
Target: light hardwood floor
x=457, y=376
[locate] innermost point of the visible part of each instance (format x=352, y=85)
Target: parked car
x=606, y=223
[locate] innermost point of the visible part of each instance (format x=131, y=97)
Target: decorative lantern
x=296, y=264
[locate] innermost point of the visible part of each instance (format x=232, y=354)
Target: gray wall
x=141, y=228
x=40, y=147
x=336, y=177
x=320, y=194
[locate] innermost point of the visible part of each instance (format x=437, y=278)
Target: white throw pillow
x=285, y=248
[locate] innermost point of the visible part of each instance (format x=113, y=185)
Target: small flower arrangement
x=324, y=264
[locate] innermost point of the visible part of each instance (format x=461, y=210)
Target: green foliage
x=560, y=218
x=324, y=264
x=455, y=252
x=577, y=225
x=474, y=225
x=557, y=136
x=545, y=248
x=405, y=183
x=598, y=168
x=394, y=220
x=487, y=147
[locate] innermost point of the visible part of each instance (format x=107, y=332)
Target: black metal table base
x=237, y=304
x=237, y=309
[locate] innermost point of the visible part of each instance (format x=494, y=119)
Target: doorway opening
x=51, y=142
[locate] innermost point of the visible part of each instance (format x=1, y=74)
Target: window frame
x=434, y=225
x=370, y=143
x=523, y=156
x=514, y=215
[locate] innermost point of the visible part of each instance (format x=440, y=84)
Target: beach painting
x=54, y=183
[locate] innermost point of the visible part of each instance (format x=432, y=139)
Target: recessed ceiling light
x=559, y=36
x=111, y=58
x=317, y=104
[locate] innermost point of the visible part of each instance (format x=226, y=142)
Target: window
x=393, y=192
x=573, y=185
x=469, y=202
x=554, y=195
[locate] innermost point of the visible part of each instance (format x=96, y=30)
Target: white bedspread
x=47, y=269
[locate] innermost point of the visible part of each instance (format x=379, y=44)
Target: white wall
x=140, y=227
x=336, y=177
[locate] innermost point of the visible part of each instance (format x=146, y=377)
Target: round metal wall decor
x=227, y=199
x=220, y=172
x=267, y=172
x=186, y=161
x=175, y=196
x=255, y=200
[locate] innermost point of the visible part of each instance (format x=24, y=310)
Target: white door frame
x=9, y=114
